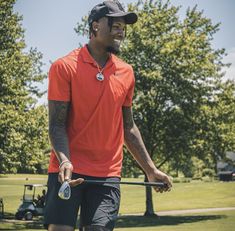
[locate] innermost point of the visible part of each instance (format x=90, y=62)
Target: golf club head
x=64, y=191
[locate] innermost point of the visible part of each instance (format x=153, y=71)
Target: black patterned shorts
x=98, y=204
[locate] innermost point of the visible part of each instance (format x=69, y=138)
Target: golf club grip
x=156, y=184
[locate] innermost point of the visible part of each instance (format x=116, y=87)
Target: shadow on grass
x=22, y=226
x=129, y=221
x=142, y=221
x=9, y=223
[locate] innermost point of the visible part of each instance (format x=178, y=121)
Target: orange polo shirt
x=95, y=125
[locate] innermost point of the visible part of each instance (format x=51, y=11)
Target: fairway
x=219, y=221
x=183, y=196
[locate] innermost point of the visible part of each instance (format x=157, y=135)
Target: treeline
x=183, y=106
x=23, y=124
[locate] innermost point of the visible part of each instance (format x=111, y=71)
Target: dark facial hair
x=112, y=50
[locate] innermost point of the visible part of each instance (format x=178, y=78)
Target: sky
x=49, y=26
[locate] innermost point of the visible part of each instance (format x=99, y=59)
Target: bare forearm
x=135, y=145
x=137, y=148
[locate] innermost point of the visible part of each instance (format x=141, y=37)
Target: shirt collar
x=87, y=58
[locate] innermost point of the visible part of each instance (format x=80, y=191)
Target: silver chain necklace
x=99, y=75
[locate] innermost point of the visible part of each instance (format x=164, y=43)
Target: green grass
x=219, y=221
x=183, y=196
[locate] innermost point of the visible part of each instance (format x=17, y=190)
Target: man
x=40, y=201
x=90, y=117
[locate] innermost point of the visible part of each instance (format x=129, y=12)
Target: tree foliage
x=22, y=124
x=177, y=73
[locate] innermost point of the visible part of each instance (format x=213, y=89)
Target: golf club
x=156, y=184
x=65, y=190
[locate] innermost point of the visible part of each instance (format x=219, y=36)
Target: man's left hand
x=157, y=176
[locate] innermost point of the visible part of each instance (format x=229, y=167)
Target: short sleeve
x=130, y=93
x=59, y=81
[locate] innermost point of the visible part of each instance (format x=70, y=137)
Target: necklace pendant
x=100, y=76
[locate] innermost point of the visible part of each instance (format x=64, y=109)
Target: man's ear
x=95, y=26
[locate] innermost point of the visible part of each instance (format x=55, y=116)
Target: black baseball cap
x=111, y=9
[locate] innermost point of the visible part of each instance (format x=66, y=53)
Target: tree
x=178, y=73
x=217, y=125
x=22, y=127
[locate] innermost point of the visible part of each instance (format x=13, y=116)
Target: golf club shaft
x=156, y=184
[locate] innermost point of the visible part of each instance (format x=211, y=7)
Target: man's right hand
x=65, y=173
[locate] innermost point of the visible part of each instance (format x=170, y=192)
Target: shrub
x=208, y=172
x=181, y=180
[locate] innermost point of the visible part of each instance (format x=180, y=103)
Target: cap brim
x=130, y=17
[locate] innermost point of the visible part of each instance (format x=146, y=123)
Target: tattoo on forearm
x=58, y=114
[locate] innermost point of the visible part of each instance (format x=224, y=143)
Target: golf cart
x=32, y=205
